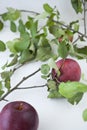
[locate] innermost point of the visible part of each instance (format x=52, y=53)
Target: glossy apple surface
x=18, y=115
x=69, y=71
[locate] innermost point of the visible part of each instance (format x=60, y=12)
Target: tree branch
x=66, y=26
x=17, y=85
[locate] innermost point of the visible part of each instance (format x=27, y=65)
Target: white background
x=54, y=114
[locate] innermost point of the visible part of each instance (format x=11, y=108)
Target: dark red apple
x=18, y=115
x=69, y=71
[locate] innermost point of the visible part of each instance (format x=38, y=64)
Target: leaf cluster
x=71, y=90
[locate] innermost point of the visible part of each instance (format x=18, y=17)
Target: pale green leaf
x=70, y=89
x=45, y=69
x=48, y=8
x=84, y=115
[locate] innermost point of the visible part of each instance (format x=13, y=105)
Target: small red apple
x=69, y=71
x=18, y=115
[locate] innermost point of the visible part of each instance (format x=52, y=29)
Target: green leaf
x=1, y=25
x=70, y=89
x=5, y=16
x=51, y=84
x=82, y=50
x=48, y=8
x=1, y=85
x=22, y=43
x=21, y=27
x=45, y=69
x=10, y=45
x=52, y=64
x=77, y=5
x=32, y=25
x=44, y=76
x=54, y=94
x=26, y=56
x=44, y=50
x=4, y=66
x=43, y=15
x=76, y=98
x=43, y=53
x=76, y=27
x=84, y=115
x=13, y=26
x=2, y=46
x=1, y=92
x=62, y=49
x=53, y=89
x=33, y=29
x=7, y=83
x=81, y=53
x=56, y=31
x=13, y=61
x=6, y=74
x=13, y=14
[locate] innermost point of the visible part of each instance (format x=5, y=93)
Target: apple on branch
x=18, y=115
x=69, y=70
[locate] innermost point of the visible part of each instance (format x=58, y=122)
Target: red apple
x=18, y=115
x=69, y=71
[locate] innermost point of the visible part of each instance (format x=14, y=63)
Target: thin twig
x=32, y=12
x=16, y=68
x=40, y=86
x=66, y=26
x=76, y=40
x=36, y=13
x=84, y=10
x=17, y=85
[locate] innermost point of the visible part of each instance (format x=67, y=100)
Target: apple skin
x=18, y=115
x=69, y=71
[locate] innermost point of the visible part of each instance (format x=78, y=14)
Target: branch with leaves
x=36, y=43
x=11, y=89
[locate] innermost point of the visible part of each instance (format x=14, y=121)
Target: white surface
x=54, y=114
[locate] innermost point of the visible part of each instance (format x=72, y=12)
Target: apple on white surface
x=19, y=115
